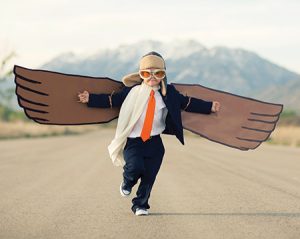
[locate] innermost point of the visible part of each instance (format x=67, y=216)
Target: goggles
x=158, y=74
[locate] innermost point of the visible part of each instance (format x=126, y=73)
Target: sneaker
x=141, y=211
x=124, y=192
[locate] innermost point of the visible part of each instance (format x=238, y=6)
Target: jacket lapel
x=163, y=97
x=167, y=102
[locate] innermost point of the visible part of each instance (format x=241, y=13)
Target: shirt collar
x=156, y=88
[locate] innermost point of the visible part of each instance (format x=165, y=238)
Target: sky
x=39, y=30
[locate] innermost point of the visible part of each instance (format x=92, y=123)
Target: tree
x=6, y=95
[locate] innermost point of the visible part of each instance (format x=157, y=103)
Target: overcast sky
x=39, y=30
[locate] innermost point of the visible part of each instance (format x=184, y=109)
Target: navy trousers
x=142, y=160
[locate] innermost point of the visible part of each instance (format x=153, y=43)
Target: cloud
x=39, y=30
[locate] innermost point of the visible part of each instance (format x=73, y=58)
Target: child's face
x=152, y=81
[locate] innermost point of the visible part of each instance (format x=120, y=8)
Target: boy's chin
x=152, y=83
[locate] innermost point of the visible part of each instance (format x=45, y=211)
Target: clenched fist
x=83, y=97
x=215, y=106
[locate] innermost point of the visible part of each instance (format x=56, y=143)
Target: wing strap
x=110, y=98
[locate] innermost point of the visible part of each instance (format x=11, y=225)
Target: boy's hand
x=215, y=106
x=83, y=97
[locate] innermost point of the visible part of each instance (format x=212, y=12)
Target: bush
x=289, y=117
x=288, y=113
x=10, y=115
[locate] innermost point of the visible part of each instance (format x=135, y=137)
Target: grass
x=282, y=135
x=285, y=135
x=21, y=129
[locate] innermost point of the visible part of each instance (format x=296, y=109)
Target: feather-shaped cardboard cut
x=242, y=122
x=51, y=98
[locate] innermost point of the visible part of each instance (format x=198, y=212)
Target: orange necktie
x=147, y=127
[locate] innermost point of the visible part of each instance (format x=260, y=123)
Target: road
x=67, y=187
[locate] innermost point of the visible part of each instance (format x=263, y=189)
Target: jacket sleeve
x=192, y=104
x=108, y=100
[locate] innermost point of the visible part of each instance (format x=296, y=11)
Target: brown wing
x=242, y=122
x=51, y=97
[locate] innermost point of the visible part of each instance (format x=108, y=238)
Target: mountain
x=233, y=70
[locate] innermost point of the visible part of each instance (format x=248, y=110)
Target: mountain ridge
x=234, y=70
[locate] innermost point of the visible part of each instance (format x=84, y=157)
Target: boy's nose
x=152, y=77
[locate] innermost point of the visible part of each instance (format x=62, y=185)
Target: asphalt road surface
x=67, y=187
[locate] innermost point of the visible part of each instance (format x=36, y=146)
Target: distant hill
x=234, y=70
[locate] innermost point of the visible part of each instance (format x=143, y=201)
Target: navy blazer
x=175, y=102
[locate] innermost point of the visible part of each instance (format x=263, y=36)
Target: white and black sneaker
x=124, y=192
x=141, y=211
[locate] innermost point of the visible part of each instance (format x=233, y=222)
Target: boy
x=149, y=107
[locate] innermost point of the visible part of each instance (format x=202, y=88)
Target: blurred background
x=249, y=48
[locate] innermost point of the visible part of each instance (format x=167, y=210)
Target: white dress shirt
x=159, y=121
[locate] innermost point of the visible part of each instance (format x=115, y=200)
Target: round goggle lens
x=145, y=74
x=159, y=74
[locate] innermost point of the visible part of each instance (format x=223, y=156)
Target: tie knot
x=152, y=92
